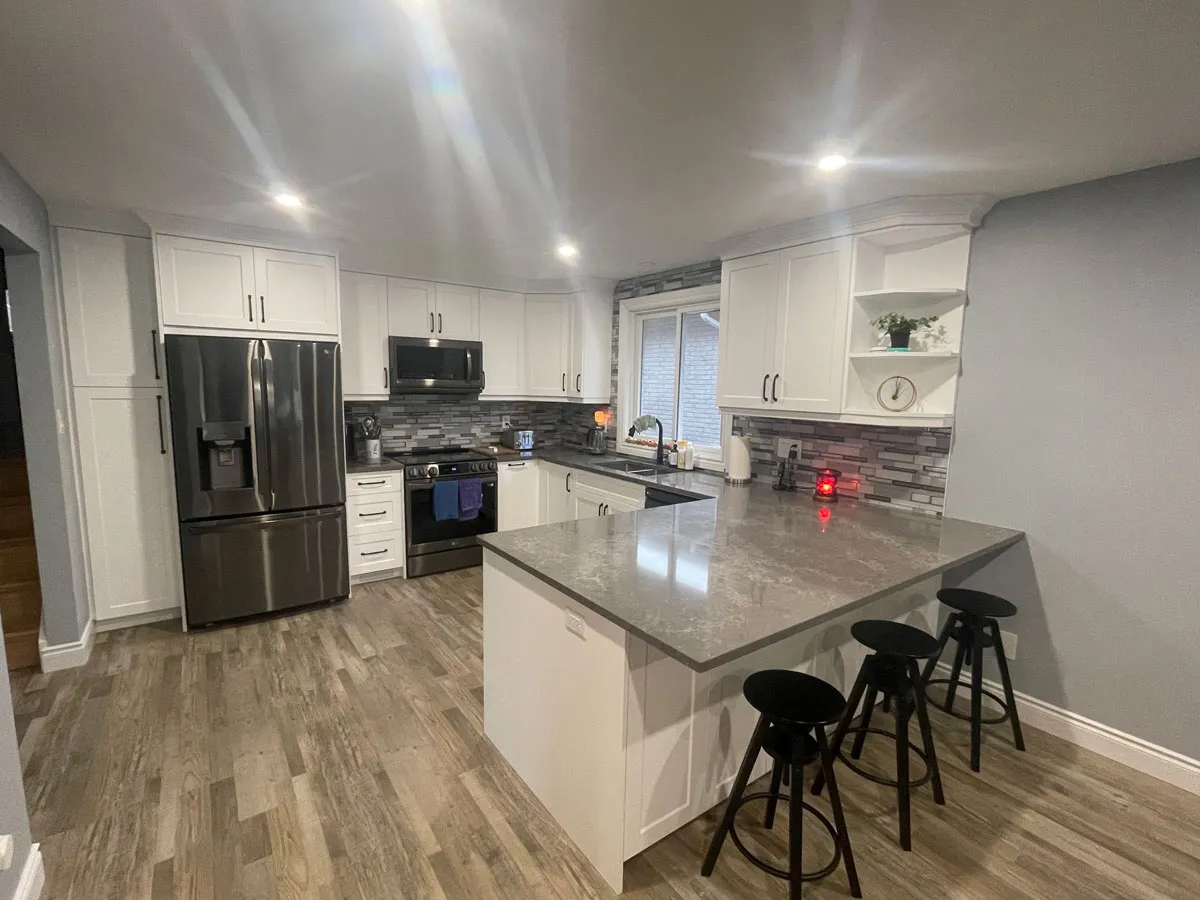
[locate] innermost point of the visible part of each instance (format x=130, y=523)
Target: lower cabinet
x=375, y=524
x=518, y=495
x=554, y=494
x=128, y=501
x=613, y=496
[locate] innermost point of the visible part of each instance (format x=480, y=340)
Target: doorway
x=20, y=587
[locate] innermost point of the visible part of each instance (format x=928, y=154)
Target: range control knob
x=430, y=471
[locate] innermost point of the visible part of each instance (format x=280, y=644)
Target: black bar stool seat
x=891, y=670
x=973, y=627
x=794, y=710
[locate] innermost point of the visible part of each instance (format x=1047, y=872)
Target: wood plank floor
x=338, y=754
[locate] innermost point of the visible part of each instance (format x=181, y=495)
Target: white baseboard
x=56, y=657
x=33, y=876
x=1130, y=750
x=146, y=618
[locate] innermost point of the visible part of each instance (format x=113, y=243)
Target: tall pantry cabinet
x=121, y=410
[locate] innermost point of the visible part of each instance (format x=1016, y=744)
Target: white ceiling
x=460, y=138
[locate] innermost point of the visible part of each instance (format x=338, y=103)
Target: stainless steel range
x=438, y=546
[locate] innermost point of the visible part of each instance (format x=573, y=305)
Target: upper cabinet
x=589, y=379
x=547, y=344
x=364, y=336
x=108, y=294
x=425, y=309
x=502, y=330
x=749, y=289
x=217, y=285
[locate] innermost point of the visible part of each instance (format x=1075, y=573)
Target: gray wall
x=1078, y=421
x=41, y=376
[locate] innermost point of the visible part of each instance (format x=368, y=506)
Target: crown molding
x=966, y=210
x=189, y=226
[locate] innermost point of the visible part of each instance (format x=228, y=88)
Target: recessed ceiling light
x=567, y=251
x=831, y=163
x=289, y=200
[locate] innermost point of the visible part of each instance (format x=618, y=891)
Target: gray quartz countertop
x=712, y=580
x=355, y=467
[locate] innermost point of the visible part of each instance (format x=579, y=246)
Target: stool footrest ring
x=966, y=716
x=770, y=869
x=853, y=766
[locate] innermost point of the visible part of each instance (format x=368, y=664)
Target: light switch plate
x=783, y=446
x=505, y=422
x=576, y=625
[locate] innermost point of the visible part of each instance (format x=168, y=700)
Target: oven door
x=435, y=366
x=425, y=534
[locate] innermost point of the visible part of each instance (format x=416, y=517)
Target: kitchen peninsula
x=615, y=647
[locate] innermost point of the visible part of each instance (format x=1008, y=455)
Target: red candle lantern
x=826, y=487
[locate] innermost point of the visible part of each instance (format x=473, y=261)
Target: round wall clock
x=896, y=393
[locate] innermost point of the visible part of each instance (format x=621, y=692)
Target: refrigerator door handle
x=258, y=418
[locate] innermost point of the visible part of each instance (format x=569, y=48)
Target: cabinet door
x=584, y=507
x=810, y=343
x=457, y=312
x=749, y=288
x=108, y=294
x=411, y=308
x=555, y=503
x=297, y=292
x=502, y=330
x=364, y=337
x=547, y=343
x=128, y=503
x=518, y=495
x=617, y=503
x=206, y=284
x=591, y=347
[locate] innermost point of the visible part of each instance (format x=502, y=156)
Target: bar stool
x=794, y=710
x=974, y=627
x=892, y=671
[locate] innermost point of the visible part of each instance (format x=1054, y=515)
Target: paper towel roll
x=737, y=459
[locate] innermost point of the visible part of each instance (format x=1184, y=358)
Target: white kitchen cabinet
x=555, y=503
x=585, y=506
x=591, y=500
x=108, y=295
x=748, y=320
x=547, y=344
x=502, y=331
x=589, y=374
x=206, y=284
x=217, y=285
x=518, y=494
x=457, y=312
x=411, y=307
x=128, y=500
x=811, y=318
x=364, y=336
x=375, y=524
x=297, y=292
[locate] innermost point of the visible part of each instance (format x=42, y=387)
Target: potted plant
x=900, y=327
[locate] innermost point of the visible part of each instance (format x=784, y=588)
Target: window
x=671, y=371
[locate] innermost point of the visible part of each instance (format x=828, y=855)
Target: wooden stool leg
x=839, y=816
x=943, y=638
x=739, y=788
x=955, y=673
x=868, y=709
x=902, y=779
x=843, y=726
x=796, y=831
x=922, y=710
x=1006, y=680
x=976, y=692
x=776, y=781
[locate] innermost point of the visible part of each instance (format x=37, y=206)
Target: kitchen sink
x=635, y=467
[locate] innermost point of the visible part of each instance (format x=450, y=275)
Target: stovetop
x=442, y=462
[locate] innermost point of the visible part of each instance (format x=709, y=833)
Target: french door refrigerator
x=260, y=476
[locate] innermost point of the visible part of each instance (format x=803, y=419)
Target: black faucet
x=660, y=458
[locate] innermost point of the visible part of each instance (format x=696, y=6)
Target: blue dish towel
x=470, y=498
x=445, y=500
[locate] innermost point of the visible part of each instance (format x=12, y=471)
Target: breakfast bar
x=615, y=647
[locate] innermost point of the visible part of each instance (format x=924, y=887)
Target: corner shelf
x=912, y=354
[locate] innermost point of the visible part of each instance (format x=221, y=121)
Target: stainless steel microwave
x=434, y=366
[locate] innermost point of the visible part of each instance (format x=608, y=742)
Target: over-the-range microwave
x=434, y=366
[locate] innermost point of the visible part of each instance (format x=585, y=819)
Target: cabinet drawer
x=372, y=483
x=370, y=514
x=612, y=486
x=373, y=553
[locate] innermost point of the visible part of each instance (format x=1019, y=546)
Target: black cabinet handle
x=774, y=384
x=568, y=482
x=382, y=512
x=515, y=465
x=262, y=308
x=385, y=376
x=373, y=553
x=369, y=483
x=154, y=352
x=439, y=323
x=564, y=381
x=578, y=389
x=162, y=440
x=765, y=379
x=250, y=306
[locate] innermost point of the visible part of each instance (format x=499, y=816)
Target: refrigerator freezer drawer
x=239, y=567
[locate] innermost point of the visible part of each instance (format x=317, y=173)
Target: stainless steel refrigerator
x=259, y=473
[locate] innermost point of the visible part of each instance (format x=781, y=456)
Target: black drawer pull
x=369, y=483
x=382, y=512
x=373, y=553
